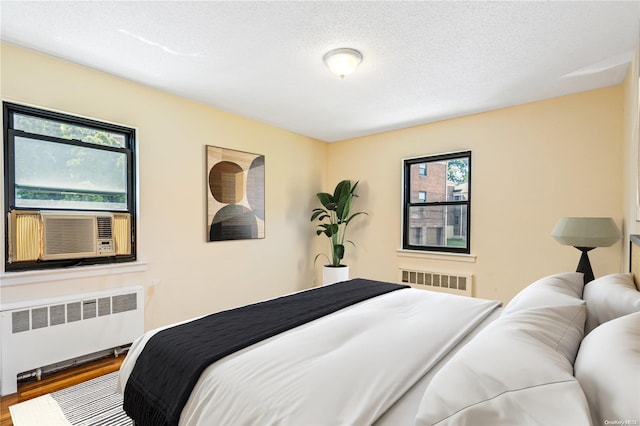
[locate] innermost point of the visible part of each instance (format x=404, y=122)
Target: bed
x=559, y=352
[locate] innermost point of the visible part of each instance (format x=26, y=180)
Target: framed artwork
x=235, y=195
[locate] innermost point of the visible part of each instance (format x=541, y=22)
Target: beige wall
x=195, y=277
x=631, y=123
x=531, y=164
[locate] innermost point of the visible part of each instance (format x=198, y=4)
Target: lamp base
x=584, y=265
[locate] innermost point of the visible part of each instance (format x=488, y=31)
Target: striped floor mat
x=91, y=403
x=94, y=402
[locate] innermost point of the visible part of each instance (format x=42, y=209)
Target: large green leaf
x=317, y=212
x=328, y=229
x=344, y=194
x=344, y=206
x=326, y=200
x=338, y=249
x=342, y=189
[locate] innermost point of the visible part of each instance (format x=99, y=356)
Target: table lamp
x=585, y=234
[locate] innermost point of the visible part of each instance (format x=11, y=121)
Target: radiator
x=461, y=284
x=43, y=332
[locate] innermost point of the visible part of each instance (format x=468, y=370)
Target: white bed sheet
x=349, y=367
x=404, y=411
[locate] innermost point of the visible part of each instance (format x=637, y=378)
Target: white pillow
x=559, y=289
x=608, y=368
x=515, y=371
x=610, y=297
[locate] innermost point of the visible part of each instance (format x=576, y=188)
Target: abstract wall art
x=235, y=195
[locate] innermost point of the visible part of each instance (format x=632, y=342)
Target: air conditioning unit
x=54, y=235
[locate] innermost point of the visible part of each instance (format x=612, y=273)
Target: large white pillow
x=608, y=368
x=559, y=289
x=610, y=297
x=515, y=372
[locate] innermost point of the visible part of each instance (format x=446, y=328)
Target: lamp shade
x=342, y=61
x=586, y=231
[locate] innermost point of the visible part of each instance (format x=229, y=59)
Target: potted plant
x=334, y=217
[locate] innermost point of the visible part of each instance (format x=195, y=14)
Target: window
x=57, y=163
x=437, y=207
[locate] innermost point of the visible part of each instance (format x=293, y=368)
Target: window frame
x=407, y=204
x=10, y=134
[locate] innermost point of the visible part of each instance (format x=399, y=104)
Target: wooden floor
x=55, y=382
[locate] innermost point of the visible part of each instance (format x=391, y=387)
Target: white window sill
x=41, y=276
x=436, y=255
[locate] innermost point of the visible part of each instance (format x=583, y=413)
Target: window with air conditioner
x=69, y=188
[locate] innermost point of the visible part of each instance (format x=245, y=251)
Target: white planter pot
x=334, y=274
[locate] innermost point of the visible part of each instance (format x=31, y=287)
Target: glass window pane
x=49, y=174
x=64, y=130
x=439, y=226
x=440, y=180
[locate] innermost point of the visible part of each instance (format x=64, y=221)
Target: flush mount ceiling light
x=342, y=61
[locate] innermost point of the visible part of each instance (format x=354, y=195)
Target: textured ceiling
x=423, y=61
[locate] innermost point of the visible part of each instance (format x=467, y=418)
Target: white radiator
x=42, y=332
x=461, y=284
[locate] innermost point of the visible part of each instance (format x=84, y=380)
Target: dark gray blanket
x=173, y=359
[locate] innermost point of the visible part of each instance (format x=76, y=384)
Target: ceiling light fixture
x=342, y=61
